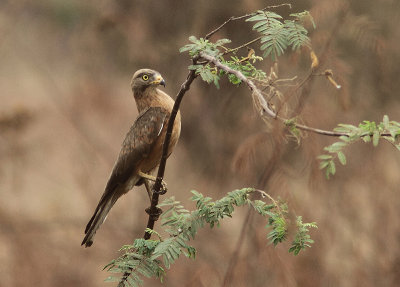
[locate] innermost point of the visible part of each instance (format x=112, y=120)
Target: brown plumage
x=142, y=148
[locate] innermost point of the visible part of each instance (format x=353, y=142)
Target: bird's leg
x=148, y=189
x=146, y=176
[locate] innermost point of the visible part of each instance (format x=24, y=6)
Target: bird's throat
x=152, y=97
x=144, y=97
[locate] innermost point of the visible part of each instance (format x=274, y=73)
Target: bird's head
x=144, y=78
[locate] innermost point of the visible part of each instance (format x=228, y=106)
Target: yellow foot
x=153, y=179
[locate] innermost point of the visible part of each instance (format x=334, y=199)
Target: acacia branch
x=262, y=104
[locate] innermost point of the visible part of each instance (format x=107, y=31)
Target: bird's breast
x=155, y=154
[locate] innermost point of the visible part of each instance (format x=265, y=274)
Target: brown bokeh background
x=66, y=104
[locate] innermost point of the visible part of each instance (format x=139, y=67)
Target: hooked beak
x=159, y=81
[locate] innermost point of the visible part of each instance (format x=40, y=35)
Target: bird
x=142, y=147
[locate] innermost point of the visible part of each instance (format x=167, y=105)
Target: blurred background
x=66, y=105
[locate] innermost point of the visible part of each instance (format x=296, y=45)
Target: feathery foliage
x=277, y=35
x=366, y=131
x=150, y=258
x=302, y=239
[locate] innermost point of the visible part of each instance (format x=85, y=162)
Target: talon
x=163, y=189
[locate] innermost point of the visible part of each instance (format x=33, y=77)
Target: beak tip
x=162, y=83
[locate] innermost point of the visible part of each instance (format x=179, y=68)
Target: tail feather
x=97, y=219
x=110, y=196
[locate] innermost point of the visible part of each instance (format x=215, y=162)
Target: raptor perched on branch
x=142, y=148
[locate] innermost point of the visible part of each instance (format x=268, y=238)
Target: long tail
x=100, y=214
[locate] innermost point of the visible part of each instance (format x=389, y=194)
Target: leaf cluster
x=245, y=65
x=150, y=258
x=302, y=239
x=278, y=34
x=203, y=45
x=366, y=131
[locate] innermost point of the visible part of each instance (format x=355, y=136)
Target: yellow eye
x=145, y=77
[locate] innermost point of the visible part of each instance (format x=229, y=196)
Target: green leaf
x=296, y=35
x=345, y=128
x=324, y=156
x=323, y=164
x=341, y=157
x=375, y=138
x=335, y=147
x=386, y=121
x=193, y=39
x=366, y=138
x=330, y=169
x=222, y=42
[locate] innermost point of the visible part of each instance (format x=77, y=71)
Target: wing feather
x=137, y=145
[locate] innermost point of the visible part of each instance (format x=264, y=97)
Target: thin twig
x=208, y=36
x=233, y=18
x=241, y=46
x=319, y=131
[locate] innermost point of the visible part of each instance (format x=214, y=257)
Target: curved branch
x=262, y=104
